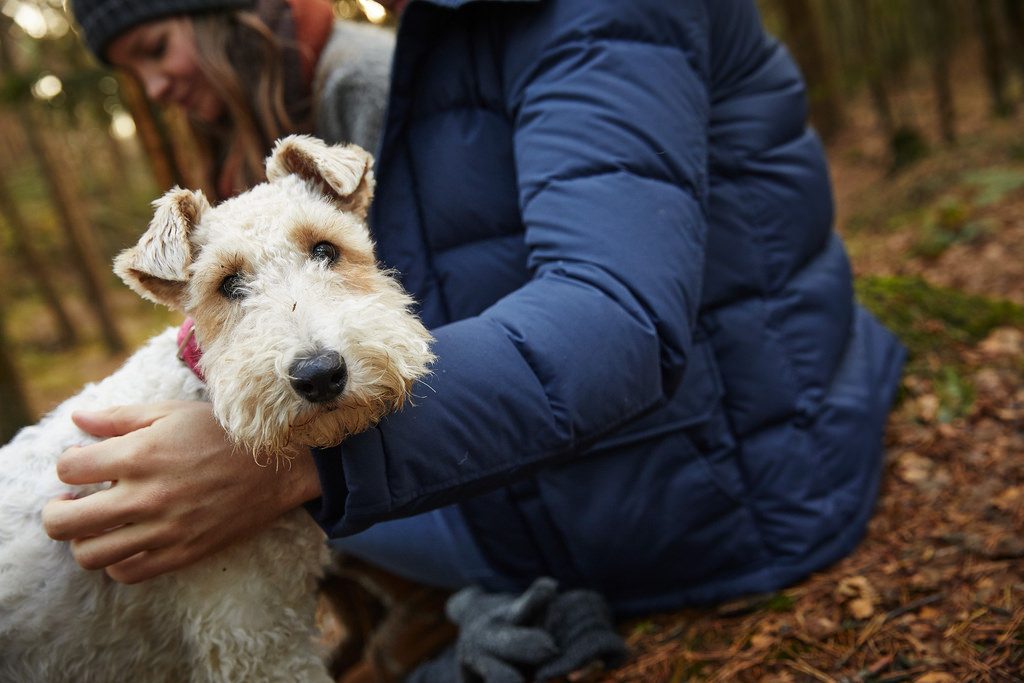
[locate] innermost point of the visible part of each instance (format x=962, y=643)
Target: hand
x=500, y=639
x=581, y=624
x=181, y=490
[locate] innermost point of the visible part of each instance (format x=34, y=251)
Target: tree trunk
x=839, y=24
x=115, y=157
x=994, y=57
x=151, y=134
x=12, y=142
x=34, y=267
x=72, y=216
x=192, y=154
x=1014, y=10
x=940, y=24
x=873, y=69
x=804, y=27
x=14, y=410
x=70, y=210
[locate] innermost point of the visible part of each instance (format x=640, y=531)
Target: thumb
x=116, y=421
x=528, y=607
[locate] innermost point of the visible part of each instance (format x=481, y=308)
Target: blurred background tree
x=85, y=154
x=15, y=412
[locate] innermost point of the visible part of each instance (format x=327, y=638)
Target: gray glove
x=500, y=634
x=535, y=636
x=582, y=627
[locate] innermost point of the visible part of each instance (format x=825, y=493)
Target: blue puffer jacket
x=652, y=377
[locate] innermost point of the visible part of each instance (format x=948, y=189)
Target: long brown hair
x=245, y=62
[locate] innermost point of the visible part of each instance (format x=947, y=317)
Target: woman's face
x=162, y=54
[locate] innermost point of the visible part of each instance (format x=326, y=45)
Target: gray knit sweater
x=351, y=84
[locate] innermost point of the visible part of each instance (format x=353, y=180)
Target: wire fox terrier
x=305, y=340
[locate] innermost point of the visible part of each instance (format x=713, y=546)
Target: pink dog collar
x=189, y=352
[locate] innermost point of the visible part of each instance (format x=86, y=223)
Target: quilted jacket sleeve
x=610, y=108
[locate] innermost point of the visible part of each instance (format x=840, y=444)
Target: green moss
x=932, y=322
x=993, y=184
x=644, y=628
x=780, y=602
x=938, y=226
x=935, y=238
x=930, y=319
x=955, y=392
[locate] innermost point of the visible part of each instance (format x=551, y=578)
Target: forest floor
x=935, y=592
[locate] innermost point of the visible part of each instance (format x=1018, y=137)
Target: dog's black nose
x=319, y=378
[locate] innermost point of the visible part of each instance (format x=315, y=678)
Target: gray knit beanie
x=101, y=21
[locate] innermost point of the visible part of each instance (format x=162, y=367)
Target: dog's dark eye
x=325, y=252
x=232, y=287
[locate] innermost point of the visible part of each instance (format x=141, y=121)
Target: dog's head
x=305, y=339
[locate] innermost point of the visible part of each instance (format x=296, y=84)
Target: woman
x=247, y=77
x=652, y=380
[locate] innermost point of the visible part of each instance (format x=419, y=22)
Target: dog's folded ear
x=157, y=267
x=344, y=173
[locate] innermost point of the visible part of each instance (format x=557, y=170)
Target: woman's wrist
x=303, y=477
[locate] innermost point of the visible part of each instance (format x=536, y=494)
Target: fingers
x=522, y=645
x=65, y=519
x=81, y=465
x=130, y=552
x=119, y=420
x=119, y=455
x=97, y=552
x=152, y=563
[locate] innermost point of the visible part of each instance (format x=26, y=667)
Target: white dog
x=305, y=340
